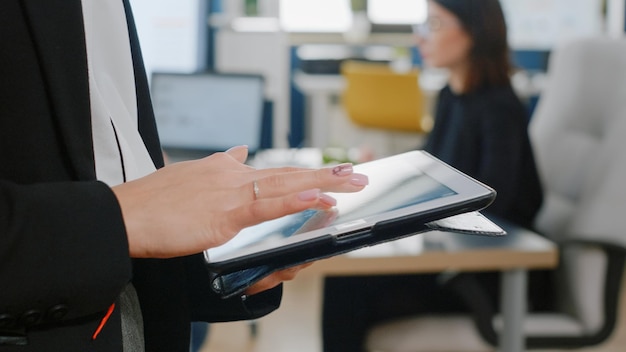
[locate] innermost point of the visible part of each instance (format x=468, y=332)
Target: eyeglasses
x=430, y=25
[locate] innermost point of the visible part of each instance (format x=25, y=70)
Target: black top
x=485, y=135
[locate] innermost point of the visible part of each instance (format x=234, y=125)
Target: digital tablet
x=405, y=193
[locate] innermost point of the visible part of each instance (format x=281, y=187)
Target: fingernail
x=359, y=180
x=328, y=200
x=237, y=147
x=311, y=194
x=342, y=169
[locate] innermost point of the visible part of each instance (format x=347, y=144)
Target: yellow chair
x=377, y=97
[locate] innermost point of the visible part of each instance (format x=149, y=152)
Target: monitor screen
x=208, y=112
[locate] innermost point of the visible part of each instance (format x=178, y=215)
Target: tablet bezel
x=470, y=195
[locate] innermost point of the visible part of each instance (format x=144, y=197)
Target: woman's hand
x=185, y=208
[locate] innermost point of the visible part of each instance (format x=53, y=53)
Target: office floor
x=236, y=337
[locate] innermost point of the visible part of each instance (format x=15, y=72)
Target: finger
x=338, y=170
x=252, y=213
x=276, y=279
x=261, y=173
x=337, y=179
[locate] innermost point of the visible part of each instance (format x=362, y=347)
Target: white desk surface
x=320, y=90
x=440, y=251
x=431, y=81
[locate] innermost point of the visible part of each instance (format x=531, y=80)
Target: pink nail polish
x=309, y=195
x=359, y=180
x=342, y=169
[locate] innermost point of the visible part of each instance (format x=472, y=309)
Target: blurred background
x=274, y=75
x=299, y=45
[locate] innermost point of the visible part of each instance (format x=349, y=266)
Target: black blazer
x=63, y=248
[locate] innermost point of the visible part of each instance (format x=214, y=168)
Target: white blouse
x=120, y=153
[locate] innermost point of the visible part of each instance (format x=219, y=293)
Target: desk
x=296, y=326
x=320, y=91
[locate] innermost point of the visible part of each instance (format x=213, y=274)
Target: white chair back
x=579, y=137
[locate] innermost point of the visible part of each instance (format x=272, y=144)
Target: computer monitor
x=208, y=112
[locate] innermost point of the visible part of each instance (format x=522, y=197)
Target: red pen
x=103, y=321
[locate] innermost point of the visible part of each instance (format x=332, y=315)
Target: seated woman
x=481, y=129
x=480, y=123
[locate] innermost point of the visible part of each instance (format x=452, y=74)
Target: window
x=396, y=12
x=173, y=34
x=315, y=15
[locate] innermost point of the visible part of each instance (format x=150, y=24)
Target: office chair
x=578, y=133
x=379, y=98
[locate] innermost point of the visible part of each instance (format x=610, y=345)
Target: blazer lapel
x=58, y=31
x=147, y=123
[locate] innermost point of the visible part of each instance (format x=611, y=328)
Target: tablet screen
x=398, y=185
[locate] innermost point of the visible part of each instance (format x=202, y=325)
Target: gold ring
x=255, y=189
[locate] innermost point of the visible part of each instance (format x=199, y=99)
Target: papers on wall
x=543, y=24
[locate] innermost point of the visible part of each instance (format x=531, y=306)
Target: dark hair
x=483, y=20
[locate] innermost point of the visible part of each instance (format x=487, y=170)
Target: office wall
x=265, y=53
x=616, y=17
